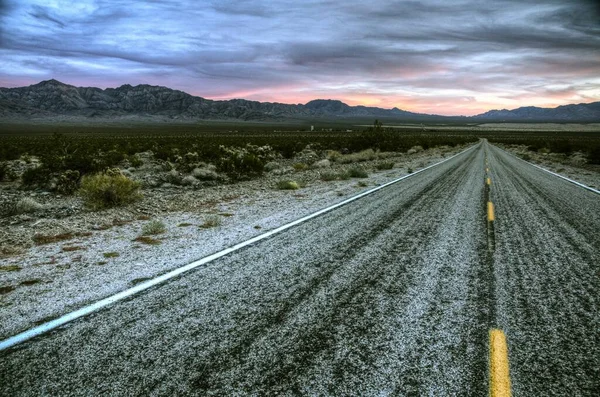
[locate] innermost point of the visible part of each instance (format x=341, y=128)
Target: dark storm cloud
x=43, y=14
x=468, y=49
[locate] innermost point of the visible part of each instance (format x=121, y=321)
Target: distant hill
x=52, y=99
x=566, y=113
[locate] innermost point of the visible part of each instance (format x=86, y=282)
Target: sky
x=445, y=57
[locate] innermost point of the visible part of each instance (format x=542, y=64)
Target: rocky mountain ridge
x=51, y=98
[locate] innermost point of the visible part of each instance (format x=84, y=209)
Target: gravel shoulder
x=100, y=256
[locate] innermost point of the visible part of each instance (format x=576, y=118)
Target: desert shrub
x=287, y=185
x=245, y=162
x=329, y=176
x=300, y=166
x=333, y=176
x=173, y=177
x=415, y=149
x=211, y=221
x=108, y=189
x=364, y=155
x=153, y=227
x=27, y=205
x=205, y=174
x=526, y=156
x=386, y=165
x=167, y=166
x=357, y=172
x=306, y=155
x=271, y=166
x=35, y=176
x=594, y=155
x=188, y=161
x=189, y=180
x=135, y=161
x=333, y=155
x=67, y=182
x=409, y=170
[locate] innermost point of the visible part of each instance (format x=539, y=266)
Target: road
x=392, y=294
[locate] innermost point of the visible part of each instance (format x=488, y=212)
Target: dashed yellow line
x=488, y=181
x=490, y=211
x=499, y=367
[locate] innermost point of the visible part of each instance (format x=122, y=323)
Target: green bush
x=329, y=176
x=333, y=176
x=153, y=227
x=246, y=162
x=300, y=166
x=108, y=189
x=357, y=172
x=35, y=176
x=211, y=221
x=287, y=185
x=386, y=165
x=67, y=182
x=135, y=161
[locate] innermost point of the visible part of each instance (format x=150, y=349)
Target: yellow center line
x=488, y=181
x=490, y=211
x=499, y=368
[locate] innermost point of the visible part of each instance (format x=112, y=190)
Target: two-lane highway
x=392, y=294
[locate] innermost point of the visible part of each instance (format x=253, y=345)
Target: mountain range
x=52, y=99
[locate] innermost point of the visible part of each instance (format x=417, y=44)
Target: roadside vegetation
x=563, y=143
x=112, y=166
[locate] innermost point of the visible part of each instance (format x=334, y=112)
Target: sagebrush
x=108, y=189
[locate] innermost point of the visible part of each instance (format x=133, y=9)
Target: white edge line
x=591, y=189
x=84, y=311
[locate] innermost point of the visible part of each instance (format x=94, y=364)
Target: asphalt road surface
x=392, y=294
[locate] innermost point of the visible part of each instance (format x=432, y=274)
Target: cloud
x=42, y=14
x=480, y=53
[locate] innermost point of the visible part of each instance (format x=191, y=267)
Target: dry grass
x=71, y=248
x=6, y=290
x=7, y=251
x=10, y=268
x=41, y=239
x=111, y=254
x=33, y=281
x=147, y=240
